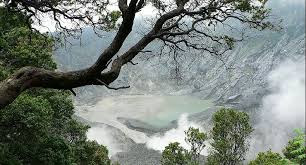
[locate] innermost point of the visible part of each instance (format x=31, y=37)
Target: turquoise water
x=173, y=106
x=155, y=110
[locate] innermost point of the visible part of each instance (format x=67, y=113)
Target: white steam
x=159, y=142
x=283, y=110
x=286, y=2
x=105, y=137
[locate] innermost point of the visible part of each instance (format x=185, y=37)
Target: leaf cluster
x=268, y=158
x=296, y=149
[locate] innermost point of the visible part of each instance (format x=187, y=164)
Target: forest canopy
x=39, y=128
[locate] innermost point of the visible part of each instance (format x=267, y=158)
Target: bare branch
x=114, y=88
x=73, y=92
x=133, y=63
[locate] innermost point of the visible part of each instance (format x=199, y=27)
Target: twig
x=73, y=92
x=145, y=51
x=133, y=63
x=114, y=88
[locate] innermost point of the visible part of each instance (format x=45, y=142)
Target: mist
x=105, y=137
x=283, y=110
x=159, y=142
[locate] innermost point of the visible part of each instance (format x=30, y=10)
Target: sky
x=48, y=24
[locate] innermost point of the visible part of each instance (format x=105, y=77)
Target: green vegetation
x=230, y=132
x=229, y=144
x=294, y=153
x=296, y=149
x=229, y=141
x=174, y=154
x=38, y=128
x=196, y=140
x=268, y=158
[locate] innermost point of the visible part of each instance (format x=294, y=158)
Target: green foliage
x=229, y=41
x=294, y=152
x=91, y=153
x=230, y=132
x=21, y=47
x=268, y=158
x=9, y=20
x=296, y=149
x=110, y=20
x=257, y=13
x=174, y=154
x=37, y=130
x=3, y=72
x=38, y=127
x=196, y=140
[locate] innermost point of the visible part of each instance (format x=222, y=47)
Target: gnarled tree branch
x=178, y=25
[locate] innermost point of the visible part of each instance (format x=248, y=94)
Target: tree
x=174, y=154
x=296, y=149
x=231, y=130
x=91, y=153
x=181, y=25
x=38, y=127
x=196, y=140
x=268, y=158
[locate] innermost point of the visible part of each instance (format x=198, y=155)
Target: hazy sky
x=49, y=24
